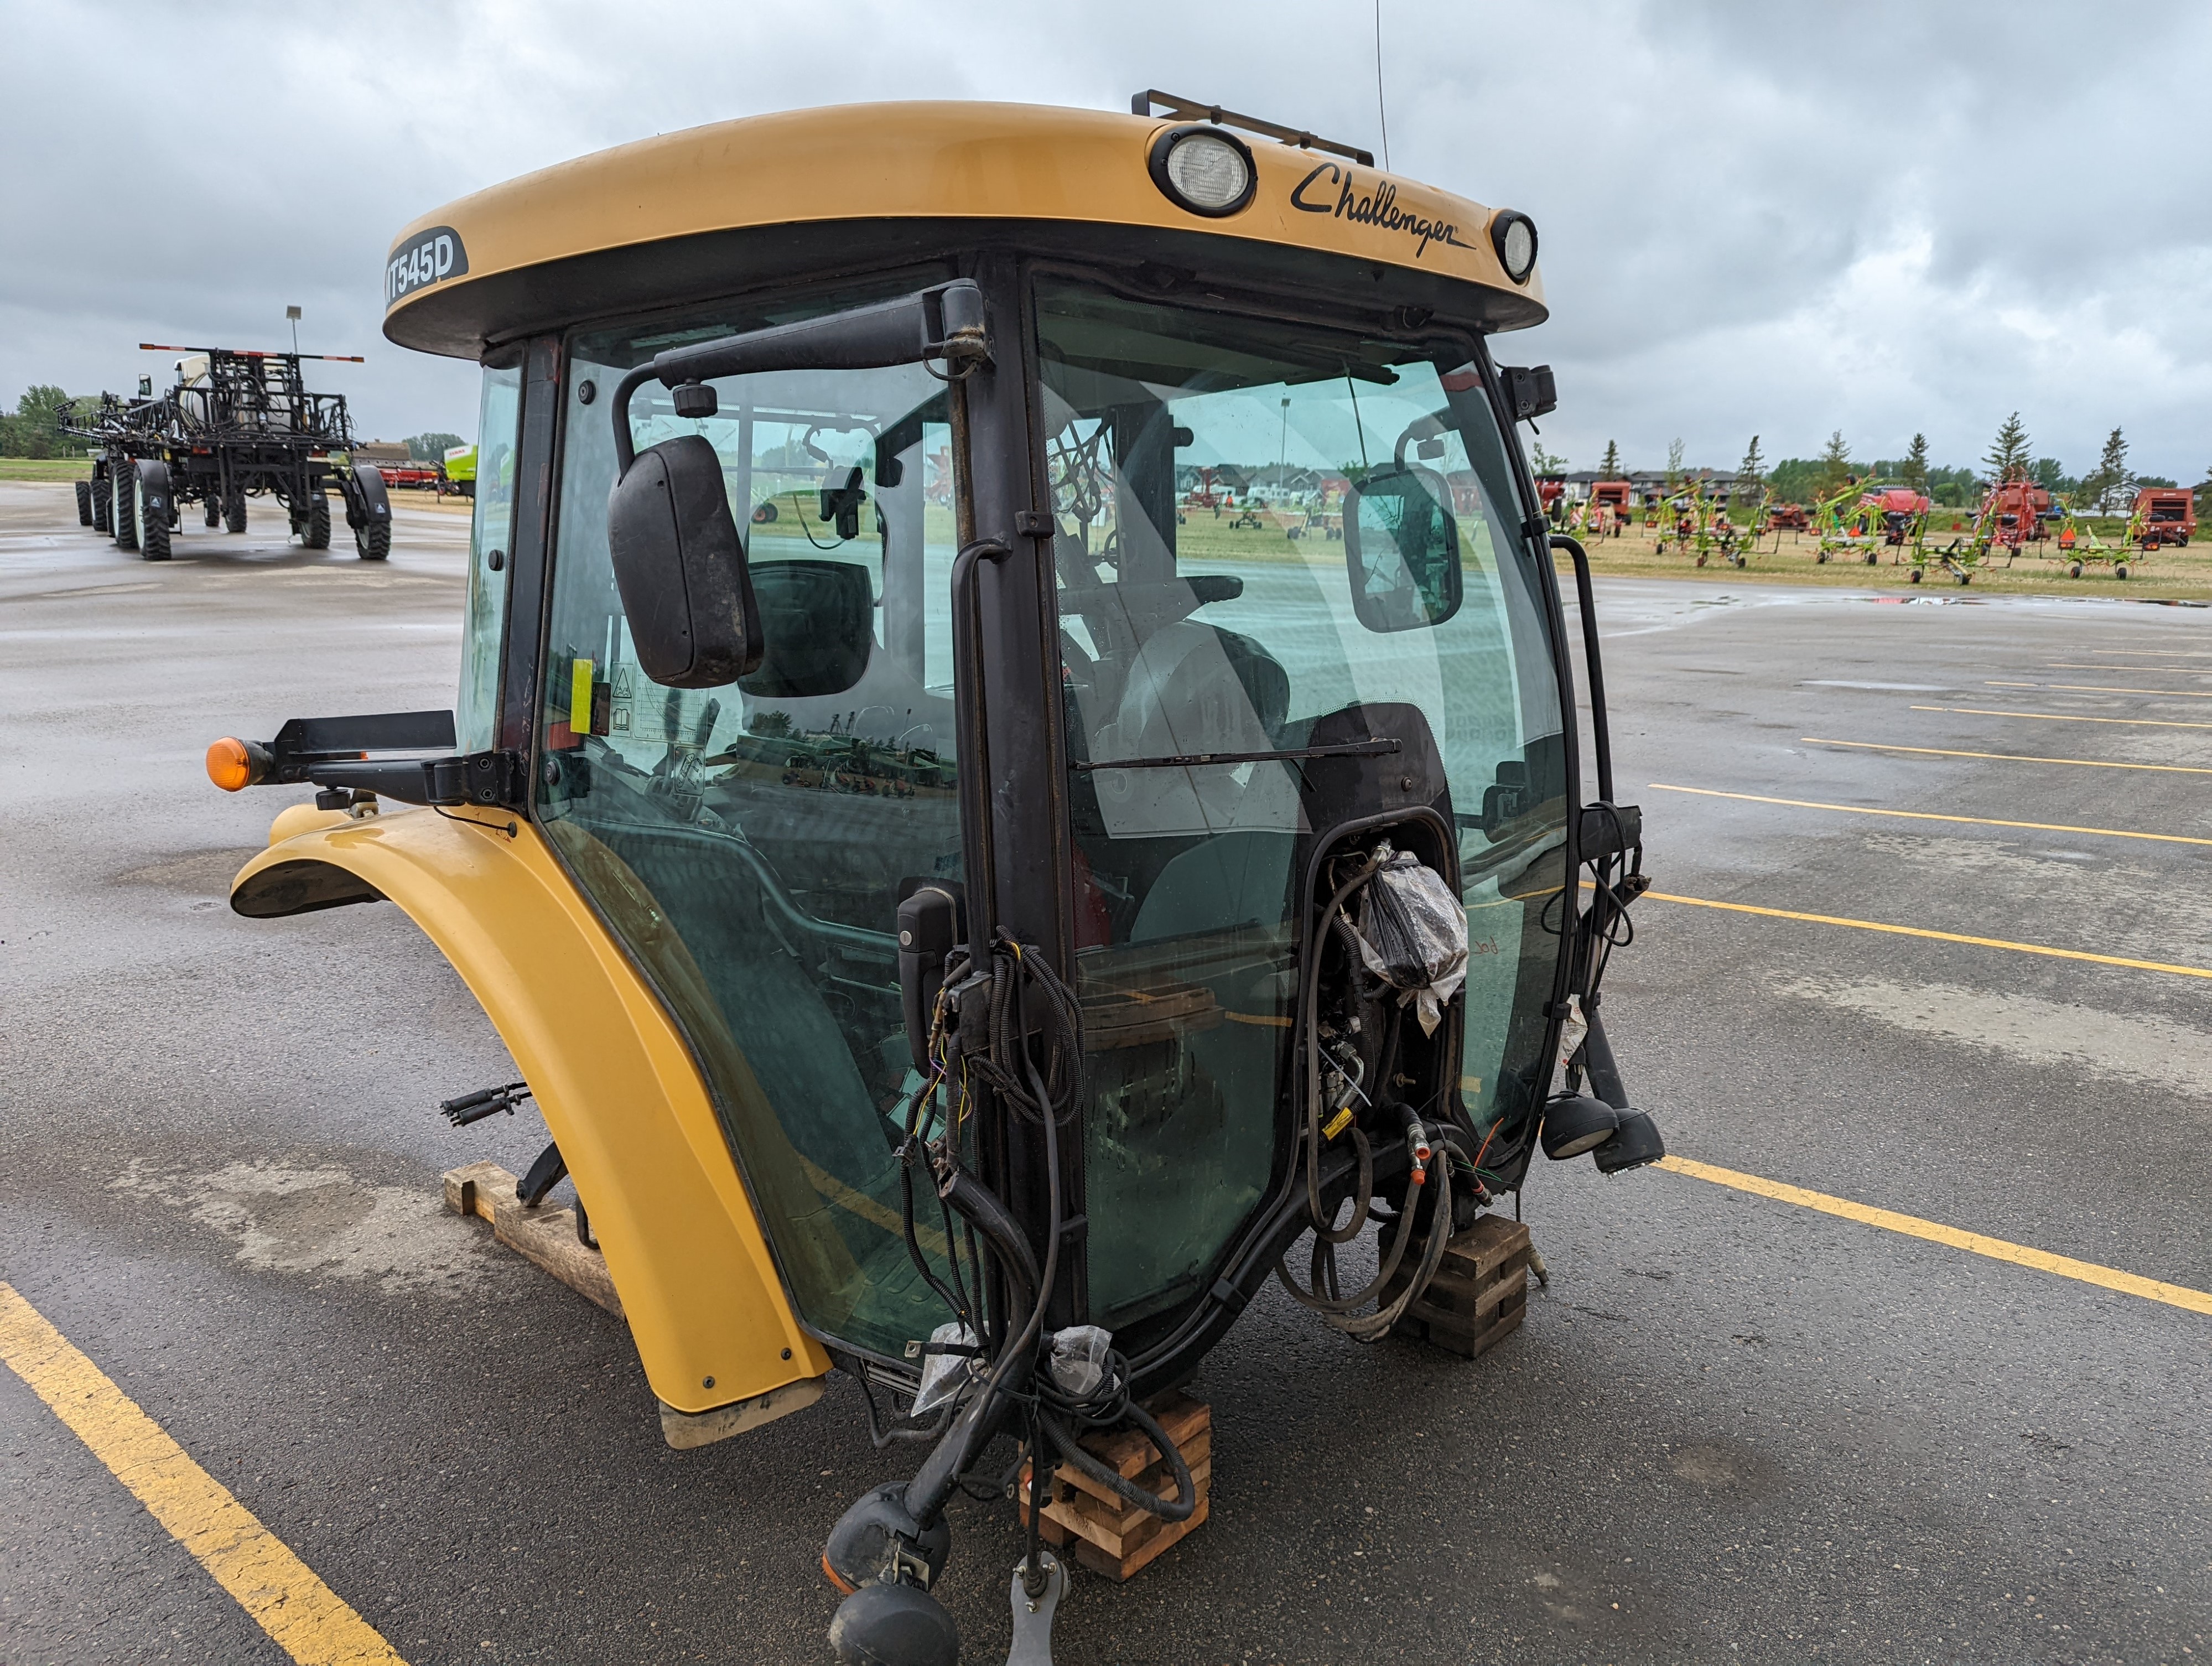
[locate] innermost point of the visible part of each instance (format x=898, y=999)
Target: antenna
x=1381, y=111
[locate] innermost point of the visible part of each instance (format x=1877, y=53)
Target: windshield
x=1206, y=470
x=750, y=845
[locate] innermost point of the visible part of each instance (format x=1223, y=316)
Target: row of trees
x=30, y=432
x=2108, y=488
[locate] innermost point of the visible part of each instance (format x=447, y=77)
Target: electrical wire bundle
x=1324, y=1293
x=979, y=1033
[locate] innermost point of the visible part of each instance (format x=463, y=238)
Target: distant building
x=1650, y=484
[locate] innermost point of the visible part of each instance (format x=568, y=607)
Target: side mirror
x=681, y=568
x=1401, y=546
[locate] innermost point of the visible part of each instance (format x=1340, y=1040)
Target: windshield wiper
x=1191, y=760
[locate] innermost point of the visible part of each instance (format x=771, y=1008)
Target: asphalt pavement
x=1733, y=1428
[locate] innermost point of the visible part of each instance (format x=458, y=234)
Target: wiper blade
x=1192, y=760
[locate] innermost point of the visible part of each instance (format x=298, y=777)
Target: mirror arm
x=945, y=323
x=1601, y=733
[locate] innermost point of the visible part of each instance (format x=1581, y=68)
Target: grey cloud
x=1885, y=217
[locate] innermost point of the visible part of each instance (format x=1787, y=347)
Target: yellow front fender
x=618, y=1088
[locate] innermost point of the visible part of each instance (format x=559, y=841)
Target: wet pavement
x=1731, y=1428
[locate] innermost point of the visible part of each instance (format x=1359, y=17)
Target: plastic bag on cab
x=1412, y=933
x=1078, y=1359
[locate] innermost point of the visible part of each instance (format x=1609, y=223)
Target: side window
x=476, y=715
x=751, y=843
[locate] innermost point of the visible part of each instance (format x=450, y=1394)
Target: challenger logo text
x=1375, y=206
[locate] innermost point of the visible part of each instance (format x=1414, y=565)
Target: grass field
x=45, y=468
x=2184, y=574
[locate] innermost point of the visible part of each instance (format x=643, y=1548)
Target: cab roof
x=659, y=220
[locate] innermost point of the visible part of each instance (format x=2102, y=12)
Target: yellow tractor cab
x=969, y=918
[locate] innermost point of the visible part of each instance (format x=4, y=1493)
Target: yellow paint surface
x=1928, y=815
x=307, y=1620
x=619, y=1087
x=2005, y=757
x=2069, y=717
x=943, y=160
x=1941, y=937
x=2131, y=1283
x=2100, y=688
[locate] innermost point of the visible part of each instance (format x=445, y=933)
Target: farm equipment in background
x=1901, y=516
x=2162, y=516
x=2017, y=511
x=1845, y=525
x=1787, y=518
x=1605, y=511
x=401, y=469
x=1700, y=525
x=1962, y=557
x=237, y=424
x=1551, y=493
x=2079, y=546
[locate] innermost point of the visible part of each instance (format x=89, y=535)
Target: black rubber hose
x=1175, y=1510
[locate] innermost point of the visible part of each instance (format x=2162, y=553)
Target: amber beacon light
x=235, y=765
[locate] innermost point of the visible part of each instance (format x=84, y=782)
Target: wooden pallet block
x=546, y=1237
x=1104, y=1531
x=1479, y=1292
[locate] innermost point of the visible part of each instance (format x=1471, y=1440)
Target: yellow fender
x=618, y=1088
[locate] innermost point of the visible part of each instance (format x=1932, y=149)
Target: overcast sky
x=1780, y=218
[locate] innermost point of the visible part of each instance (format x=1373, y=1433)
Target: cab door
x=749, y=844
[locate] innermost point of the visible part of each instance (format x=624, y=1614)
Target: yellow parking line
x=307, y=1620
x=2155, y=670
x=2156, y=652
x=2100, y=688
x=2005, y=757
x=1928, y=816
x=2129, y=1284
x=2068, y=717
x=1940, y=937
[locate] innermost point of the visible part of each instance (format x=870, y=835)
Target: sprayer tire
x=84, y=503
x=122, y=513
x=152, y=529
x=373, y=541
x=315, y=533
x=214, y=514
x=234, y=513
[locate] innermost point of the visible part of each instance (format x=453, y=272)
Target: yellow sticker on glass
x=580, y=698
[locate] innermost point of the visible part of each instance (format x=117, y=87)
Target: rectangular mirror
x=1401, y=544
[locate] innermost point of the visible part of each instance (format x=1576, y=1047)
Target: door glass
x=1203, y=468
x=476, y=717
x=750, y=843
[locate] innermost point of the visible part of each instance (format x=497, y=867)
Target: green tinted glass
x=1205, y=468
x=749, y=843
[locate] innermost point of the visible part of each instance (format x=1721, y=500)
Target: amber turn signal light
x=233, y=764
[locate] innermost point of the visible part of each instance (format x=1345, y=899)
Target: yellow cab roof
x=934, y=162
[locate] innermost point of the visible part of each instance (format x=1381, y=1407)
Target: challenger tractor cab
x=968, y=922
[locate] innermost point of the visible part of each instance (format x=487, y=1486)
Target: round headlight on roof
x=1514, y=236
x=1203, y=169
